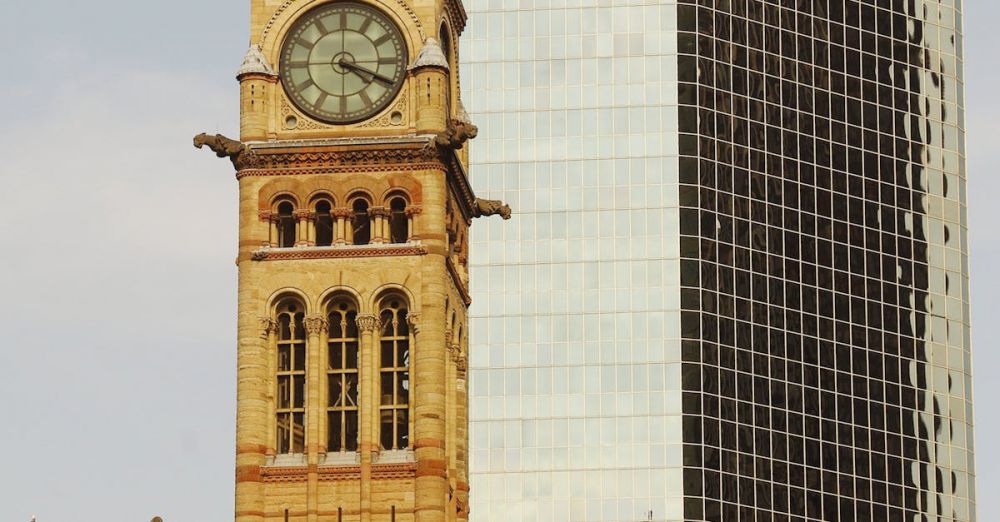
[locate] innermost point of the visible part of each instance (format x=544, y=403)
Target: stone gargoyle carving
x=223, y=147
x=457, y=133
x=491, y=207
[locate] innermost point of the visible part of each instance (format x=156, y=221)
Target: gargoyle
x=221, y=145
x=491, y=207
x=457, y=133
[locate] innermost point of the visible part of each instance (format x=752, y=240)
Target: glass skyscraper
x=736, y=283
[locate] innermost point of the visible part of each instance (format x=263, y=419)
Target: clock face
x=343, y=62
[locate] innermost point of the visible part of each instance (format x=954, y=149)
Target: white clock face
x=343, y=62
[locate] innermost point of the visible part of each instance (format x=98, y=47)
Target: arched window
x=342, y=376
x=290, y=407
x=324, y=223
x=445, y=40
x=398, y=222
x=395, y=378
x=361, y=224
x=286, y=224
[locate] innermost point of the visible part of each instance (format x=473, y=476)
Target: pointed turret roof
x=430, y=55
x=255, y=63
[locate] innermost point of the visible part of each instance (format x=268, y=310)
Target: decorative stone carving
x=224, y=147
x=341, y=213
x=303, y=213
x=491, y=207
x=413, y=320
x=456, y=352
x=368, y=323
x=267, y=326
x=379, y=212
x=414, y=210
x=315, y=324
x=462, y=366
x=457, y=133
x=266, y=215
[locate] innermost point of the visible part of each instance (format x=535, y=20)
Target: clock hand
x=373, y=74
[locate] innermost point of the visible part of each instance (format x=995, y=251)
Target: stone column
x=302, y=230
x=412, y=212
x=379, y=216
x=311, y=229
x=341, y=218
x=315, y=324
x=269, y=335
x=272, y=223
x=369, y=410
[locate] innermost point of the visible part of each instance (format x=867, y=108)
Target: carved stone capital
x=414, y=210
x=456, y=352
x=303, y=214
x=315, y=324
x=378, y=212
x=341, y=213
x=266, y=215
x=462, y=366
x=267, y=326
x=413, y=320
x=367, y=323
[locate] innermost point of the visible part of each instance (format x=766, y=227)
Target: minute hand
x=373, y=74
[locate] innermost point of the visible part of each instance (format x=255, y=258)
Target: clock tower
x=354, y=208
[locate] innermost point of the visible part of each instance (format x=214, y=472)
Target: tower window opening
x=395, y=375
x=286, y=224
x=398, y=222
x=361, y=223
x=342, y=376
x=324, y=224
x=291, y=378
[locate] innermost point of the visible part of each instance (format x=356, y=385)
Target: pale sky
x=118, y=240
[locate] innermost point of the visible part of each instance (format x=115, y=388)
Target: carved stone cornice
x=338, y=473
x=267, y=326
x=413, y=320
x=346, y=154
x=292, y=254
x=367, y=323
x=315, y=324
x=457, y=15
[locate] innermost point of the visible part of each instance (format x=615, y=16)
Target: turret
x=257, y=78
x=430, y=77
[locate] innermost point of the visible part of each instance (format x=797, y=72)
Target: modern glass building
x=736, y=284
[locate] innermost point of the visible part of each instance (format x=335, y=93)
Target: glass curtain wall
x=575, y=356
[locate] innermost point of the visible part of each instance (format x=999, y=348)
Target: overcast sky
x=117, y=364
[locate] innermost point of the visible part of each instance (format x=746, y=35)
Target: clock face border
x=308, y=21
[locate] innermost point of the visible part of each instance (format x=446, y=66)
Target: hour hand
x=369, y=72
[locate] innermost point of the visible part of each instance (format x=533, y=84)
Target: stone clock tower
x=355, y=208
